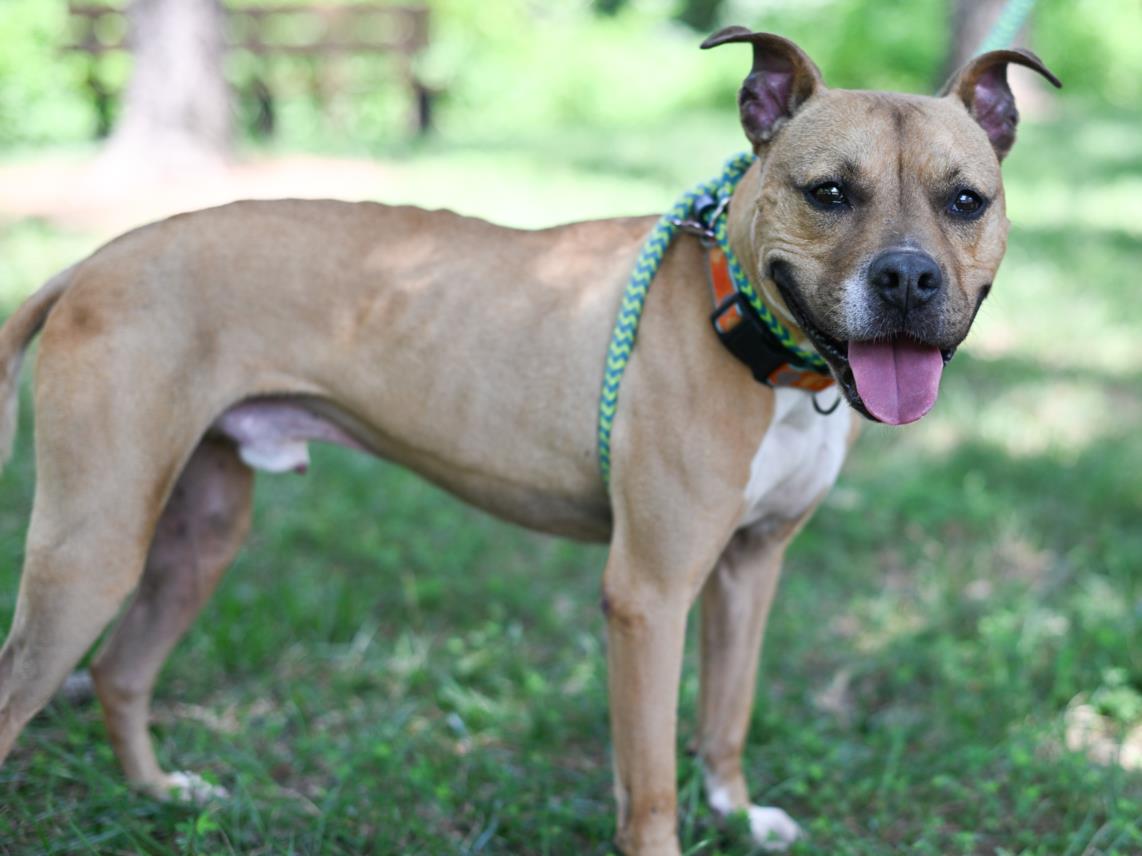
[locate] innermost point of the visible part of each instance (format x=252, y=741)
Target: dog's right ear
x=781, y=80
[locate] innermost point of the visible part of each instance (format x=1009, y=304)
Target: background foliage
x=385, y=670
x=507, y=66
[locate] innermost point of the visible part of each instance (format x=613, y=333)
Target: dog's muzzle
x=900, y=278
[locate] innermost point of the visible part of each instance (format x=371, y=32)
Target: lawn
x=387, y=671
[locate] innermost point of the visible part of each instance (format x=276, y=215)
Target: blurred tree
x=608, y=7
x=177, y=106
x=701, y=15
x=971, y=21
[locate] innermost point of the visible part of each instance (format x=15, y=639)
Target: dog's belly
x=798, y=460
x=273, y=433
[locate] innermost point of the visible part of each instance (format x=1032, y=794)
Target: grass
x=387, y=671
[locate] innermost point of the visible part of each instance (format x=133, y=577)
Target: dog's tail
x=15, y=335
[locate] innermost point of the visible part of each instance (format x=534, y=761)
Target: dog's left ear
x=982, y=86
x=781, y=80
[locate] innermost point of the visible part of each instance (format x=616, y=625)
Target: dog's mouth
x=893, y=379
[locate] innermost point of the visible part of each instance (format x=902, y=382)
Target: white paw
x=189, y=787
x=772, y=829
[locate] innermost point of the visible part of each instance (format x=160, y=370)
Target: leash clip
x=719, y=209
x=705, y=213
x=696, y=228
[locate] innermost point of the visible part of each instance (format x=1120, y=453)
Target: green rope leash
x=649, y=259
x=1005, y=28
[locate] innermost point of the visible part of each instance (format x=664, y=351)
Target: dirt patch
x=78, y=194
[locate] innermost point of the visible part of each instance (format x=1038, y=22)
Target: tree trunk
x=176, y=111
x=971, y=22
x=700, y=15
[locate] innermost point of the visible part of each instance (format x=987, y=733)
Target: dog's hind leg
x=735, y=605
x=85, y=552
x=202, y=526
x=115, y=425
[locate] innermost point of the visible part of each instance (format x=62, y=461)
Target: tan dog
x=184, y=353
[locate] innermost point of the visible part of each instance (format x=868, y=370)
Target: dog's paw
x=772, y=829
x=190, y=787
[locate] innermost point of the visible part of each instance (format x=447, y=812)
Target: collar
x=745, y=325
x=743, y=334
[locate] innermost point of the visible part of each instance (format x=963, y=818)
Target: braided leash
x=1007, y=25
x=649, y=259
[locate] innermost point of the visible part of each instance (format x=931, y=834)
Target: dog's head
x=879, y=217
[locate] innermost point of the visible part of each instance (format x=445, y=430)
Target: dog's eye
x=827, y=195
x=967, y=204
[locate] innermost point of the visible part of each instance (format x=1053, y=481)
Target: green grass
x=387, y=671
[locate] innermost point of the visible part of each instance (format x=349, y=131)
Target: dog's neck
x=740, y=224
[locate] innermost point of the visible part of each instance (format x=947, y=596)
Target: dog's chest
x=798, y=459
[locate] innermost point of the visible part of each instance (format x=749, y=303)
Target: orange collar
x=743, y=334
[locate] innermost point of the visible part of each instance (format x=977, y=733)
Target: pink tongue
x=898, y=380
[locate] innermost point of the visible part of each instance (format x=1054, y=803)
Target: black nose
x=905, y=278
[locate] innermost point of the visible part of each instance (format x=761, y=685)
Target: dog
x=184, y=355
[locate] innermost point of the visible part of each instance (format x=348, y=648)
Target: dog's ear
x=982, y=87
x=781, y=80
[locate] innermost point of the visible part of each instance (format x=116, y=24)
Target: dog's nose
x=905, y=278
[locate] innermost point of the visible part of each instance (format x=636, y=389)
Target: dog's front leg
x=646, y=630
x=735, y=605
x=660, y=556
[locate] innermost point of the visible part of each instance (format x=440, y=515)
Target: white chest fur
x=798, y=460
